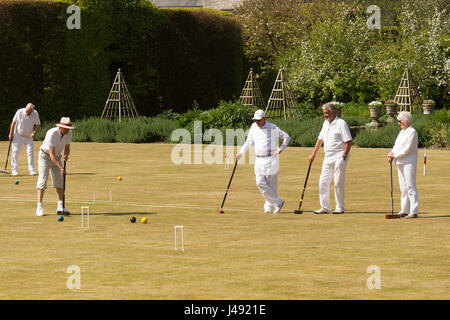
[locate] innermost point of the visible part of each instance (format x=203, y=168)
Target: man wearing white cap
x=264, y=135
x=24, y=126
x=337, y=140
x=56, y=140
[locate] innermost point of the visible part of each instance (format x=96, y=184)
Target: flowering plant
x=390, y=101
x=429, y=101
x=375, y=104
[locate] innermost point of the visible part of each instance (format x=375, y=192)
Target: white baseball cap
x=259, y=114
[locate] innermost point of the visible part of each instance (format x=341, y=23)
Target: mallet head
x=298, y=211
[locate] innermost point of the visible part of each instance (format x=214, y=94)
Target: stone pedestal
x=391, y=110
x=375, y=113
x=428, y=108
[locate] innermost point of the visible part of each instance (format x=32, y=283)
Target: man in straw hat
x=56, y=140
x=22, y=131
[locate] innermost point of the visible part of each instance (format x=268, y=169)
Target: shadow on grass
x=116, y=213
x=81, y=174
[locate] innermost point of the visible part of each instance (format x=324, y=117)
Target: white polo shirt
x=334, y=136
x=265, y=139
x=54, y=139
x=25, y=124
x=406, y=147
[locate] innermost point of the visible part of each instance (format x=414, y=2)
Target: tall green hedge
x=169, y=58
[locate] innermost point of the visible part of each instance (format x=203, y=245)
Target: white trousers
x=409, y=200
x=333, y=168
x=16, y=145
x=266, y=171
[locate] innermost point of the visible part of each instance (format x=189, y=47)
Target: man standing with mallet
x=56, y=140
x=24, y=126
x=337, y=140
x=265, y=135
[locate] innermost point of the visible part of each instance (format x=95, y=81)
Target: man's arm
x=319, y=143
x=248, y=143
x=51, y=151
x=36, y=129
x=11, y=130
x=347, y=148
x=66, y=152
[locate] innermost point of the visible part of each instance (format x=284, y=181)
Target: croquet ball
x=119, y=178
x=60, y=218
x=144, y=220
x=16, y=182
x=133, y=219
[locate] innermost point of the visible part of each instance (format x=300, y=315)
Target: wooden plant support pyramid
x=407, y=97
x=282, y=103
x=119, y=104
x=251, y=94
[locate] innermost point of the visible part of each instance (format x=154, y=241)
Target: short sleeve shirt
x=54, y=139
x=334, y=136
x=25, y=124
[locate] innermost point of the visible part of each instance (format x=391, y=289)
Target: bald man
x=24, y=126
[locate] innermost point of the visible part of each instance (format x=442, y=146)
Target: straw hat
x=65, y=123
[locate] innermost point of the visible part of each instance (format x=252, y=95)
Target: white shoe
x=322, y=211
x=14, y=173
x=278, y=208
x=33, y=173
x=40, y=212
x=338, y=211
x=411, y=216
x=267, y=210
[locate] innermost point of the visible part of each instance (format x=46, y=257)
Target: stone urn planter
x=375, y=114
x=428, y=106
x=391, y=110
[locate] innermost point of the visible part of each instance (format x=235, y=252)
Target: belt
x=265, y=156
x=44, y=152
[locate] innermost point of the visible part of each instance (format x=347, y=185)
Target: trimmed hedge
x=169, y=58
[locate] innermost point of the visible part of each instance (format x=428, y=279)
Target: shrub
x=383, y=137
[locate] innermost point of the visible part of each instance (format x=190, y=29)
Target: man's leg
x=339, y=184
x=30, y=155
x=267, y=191
x=16, y=145
x=324, y=185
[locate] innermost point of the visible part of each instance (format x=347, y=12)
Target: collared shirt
x=54, y=139
x=25, y=124
x=265, y=139
x=406, y=146
x=334, y=136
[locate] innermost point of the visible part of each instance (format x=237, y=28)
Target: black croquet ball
x=133, y=219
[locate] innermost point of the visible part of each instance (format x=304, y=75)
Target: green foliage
x=383, y=137
x=303, y=132
x=227, y=115
x=168, y=58
x=331, y=54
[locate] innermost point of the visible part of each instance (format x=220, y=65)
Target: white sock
x=39, y=204
x=60, y=204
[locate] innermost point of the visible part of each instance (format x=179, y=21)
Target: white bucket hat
x=259, y=114
x=65, y=123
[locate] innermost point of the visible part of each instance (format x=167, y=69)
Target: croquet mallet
x=228, y=187
x=392, y=215
x=303, y=192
